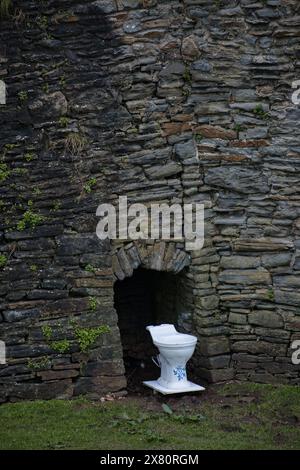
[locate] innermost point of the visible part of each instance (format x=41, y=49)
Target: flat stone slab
x=190, y=387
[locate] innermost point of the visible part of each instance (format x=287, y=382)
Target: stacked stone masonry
x=160, y=101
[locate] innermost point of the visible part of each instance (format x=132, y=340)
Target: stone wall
x=161, y=101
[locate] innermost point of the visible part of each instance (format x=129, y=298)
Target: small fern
x=61, y=346
x=86, y=337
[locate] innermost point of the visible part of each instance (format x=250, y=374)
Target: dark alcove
x=148, y=297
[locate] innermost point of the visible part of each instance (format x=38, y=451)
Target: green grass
x=246, y=416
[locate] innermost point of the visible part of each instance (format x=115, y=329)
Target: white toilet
x=175, y=349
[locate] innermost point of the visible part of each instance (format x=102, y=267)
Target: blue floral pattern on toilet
x=180, y=372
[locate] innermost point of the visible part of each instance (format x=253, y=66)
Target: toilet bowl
x=175, y=349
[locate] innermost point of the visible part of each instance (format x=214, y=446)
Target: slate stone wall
x=161, y=101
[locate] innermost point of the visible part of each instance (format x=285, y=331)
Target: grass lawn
x=234, y=416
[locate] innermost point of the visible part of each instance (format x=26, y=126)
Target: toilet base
x=189, y=387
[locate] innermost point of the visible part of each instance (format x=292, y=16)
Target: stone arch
x=155, y=255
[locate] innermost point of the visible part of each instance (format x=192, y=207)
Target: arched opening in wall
x=148, y=297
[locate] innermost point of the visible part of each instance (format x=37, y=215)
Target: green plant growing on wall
x=90, y=268
x=29, y=156
x=75, y=143
x=21, y=171
x=3, y=261
x=23, y=96
x=56, y=206
x=186, y=92
x=88, y=187
x=37, y=191
x=86, y=337
x=187, y=76
x=62, y=81
x=42, y=22
x=238, y=128
x=10, y=147
x=29, y=219
x=4, y=172
x=93, y=304
x=198, y=137
x=45, y=88
x=271, y=295
x=5, y=8
x=42, y=363
x=259, y=112
x=64, y=121
x=61, y=346
x=47, y=332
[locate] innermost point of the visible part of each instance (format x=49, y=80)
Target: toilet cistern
x=175, y=349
